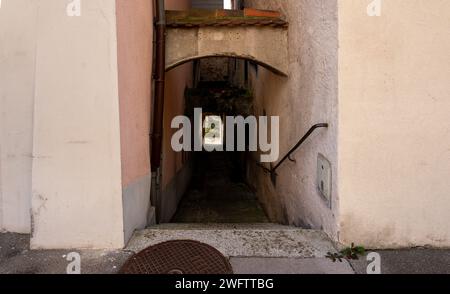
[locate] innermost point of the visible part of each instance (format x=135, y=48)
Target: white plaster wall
x=394, y=130
x=77, y=192
x=308, y=96
x=18, y=21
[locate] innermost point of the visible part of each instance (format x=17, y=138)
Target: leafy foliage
x=349, y=253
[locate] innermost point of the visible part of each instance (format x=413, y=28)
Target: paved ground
x=412, y=261
x=15, y=257
x=263, y=266
x=218, y=193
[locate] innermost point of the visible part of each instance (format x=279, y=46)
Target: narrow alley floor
x=218, y=193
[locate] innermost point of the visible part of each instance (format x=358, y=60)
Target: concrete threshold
x=241, y=240
x=254, y=248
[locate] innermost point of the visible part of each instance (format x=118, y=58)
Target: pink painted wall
x=176, y=82
x=135, y=41
x=135, y=38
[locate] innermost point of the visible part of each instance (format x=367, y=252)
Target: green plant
x=353, y=252
x=349, y=253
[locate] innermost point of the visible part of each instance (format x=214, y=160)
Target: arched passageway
x=218, y=191
x=194, y=35
x=225, y=50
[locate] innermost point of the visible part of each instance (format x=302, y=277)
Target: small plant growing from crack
x=349, y=253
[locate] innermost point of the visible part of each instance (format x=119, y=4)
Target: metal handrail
x=273, y=170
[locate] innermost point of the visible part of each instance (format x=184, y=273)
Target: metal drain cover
x=178, y=257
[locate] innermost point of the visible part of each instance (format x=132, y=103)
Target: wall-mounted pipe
x=159, y=77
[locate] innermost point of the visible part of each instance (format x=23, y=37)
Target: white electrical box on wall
x=324, y=178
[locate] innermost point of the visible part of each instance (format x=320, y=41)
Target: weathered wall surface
x=308, y=96
x=394, y=131
x=17, y=71
x=76, y=182
x=249, y=42
x=135, y=52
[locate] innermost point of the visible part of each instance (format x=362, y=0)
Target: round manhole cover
x=178, y=257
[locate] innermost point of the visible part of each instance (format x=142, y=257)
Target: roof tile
x=221, y=17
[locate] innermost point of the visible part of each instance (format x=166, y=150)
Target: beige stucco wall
x=17, y=68
x=308, y=96
x=86, y=107
x=77, y=191
x=394, y=130
x=68, y=80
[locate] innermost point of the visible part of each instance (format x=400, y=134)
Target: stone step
x=241, y=240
